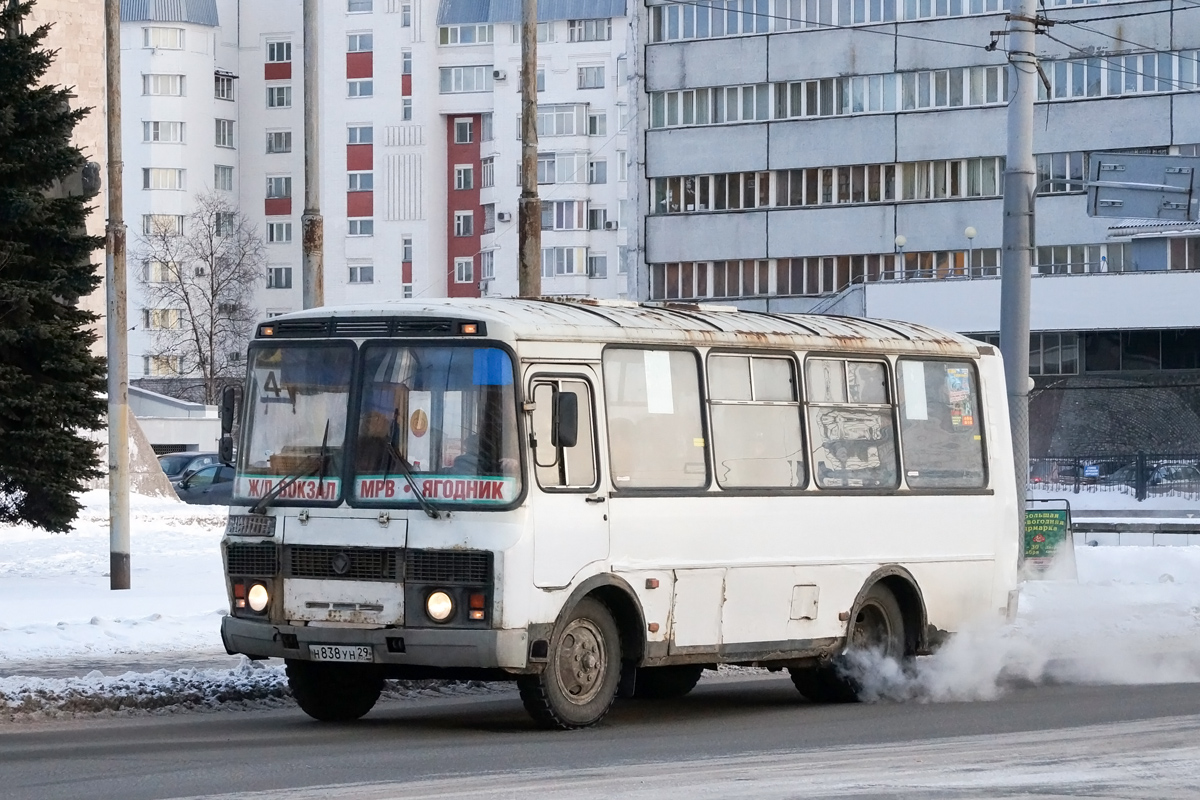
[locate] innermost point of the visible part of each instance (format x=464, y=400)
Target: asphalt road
x=732, y=738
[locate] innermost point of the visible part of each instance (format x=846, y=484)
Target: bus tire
x=334, y=692
x=666, y=683
x=878, y=625
x=579, y=683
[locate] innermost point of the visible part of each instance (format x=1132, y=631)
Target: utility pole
x=117, y=318
x=529, y=211
x=312, y=223
x=1020, y=177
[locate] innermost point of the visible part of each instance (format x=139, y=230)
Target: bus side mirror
x=566, y=419
x=228, y=411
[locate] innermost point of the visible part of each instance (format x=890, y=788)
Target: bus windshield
x=450, y=413
x=298, y=397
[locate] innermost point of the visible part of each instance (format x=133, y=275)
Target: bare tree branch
x=199, y=286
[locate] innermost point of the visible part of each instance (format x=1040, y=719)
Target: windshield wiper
x=316, y=465
x=426, y=504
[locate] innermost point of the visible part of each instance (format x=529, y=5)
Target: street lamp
x=970, y=233
x=900, y=242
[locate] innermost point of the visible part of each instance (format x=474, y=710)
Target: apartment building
x=846, y=157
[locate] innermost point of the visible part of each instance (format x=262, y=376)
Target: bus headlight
x=439, y=606
x=258, y=597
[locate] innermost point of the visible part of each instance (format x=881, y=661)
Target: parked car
x=1159, y=477
x=211, y=485
x=178, y=466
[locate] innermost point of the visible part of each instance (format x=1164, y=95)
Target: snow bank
x=1092, y=499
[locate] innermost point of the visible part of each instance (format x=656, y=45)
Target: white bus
x=599, y=498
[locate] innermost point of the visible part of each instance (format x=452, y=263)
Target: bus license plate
x=341, y=652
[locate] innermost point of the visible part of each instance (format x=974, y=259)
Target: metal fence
x=1139, y=475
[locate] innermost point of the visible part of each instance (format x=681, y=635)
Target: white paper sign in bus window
x=419, y=409
x=659, y=399
x=916, y=405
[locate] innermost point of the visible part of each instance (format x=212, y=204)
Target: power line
x=1128, y=16
x=1177, y=85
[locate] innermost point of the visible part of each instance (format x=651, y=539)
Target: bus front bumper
x=429, y=647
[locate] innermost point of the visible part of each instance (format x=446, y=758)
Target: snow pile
x=54, y=588
x=251, y=685
x=1132, y=618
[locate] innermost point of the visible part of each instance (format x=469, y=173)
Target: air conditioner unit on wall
x=504, y=216
x=610, y=225
x=499, y=74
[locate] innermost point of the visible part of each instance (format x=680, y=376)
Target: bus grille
x=343, y=563
x=448, y=566
x=252, y=560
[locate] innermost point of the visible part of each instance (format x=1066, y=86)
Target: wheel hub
x=581, y=661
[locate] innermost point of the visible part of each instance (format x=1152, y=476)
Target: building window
x=223, y=178
x=559, y=120
x=361, y=181
x=279, y=97
x=540, y=81
x=590, y=30
x=489, y=217
x=362, y=88
x=487, y=172
x=487, y=265
x=598, y=171
x=163, y=38
x=161, y=319
x=563, y=261
x=597, y=219
x=161, y=178
x=407, y=291
x=279, y=277
x=279, y=141
x=464, y=176
x=406, y=16
x=406, y=62
x=485, y=127
x=1058, y=173
x=591, y=77
x=223, y=87
x=164, y=132
x=225, y=222
x=458, y=80
x=163, y=85
x=465, y=34
x=162, y=366
x=279, y=52
x=359, y=43
x=622, y=167
x=359, y=6
x=462, y=131
x=361, y=227
x=362, y=273
x=464, y=223
x=279, y=232
x=360, y=134
x=598, y=124
x=224, y=133
x=162, y=224
x=464, y=270
x=406, y=109
x=597, y=265
x=406, y=249
x=279, y=186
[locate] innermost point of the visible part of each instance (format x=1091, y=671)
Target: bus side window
x=757, y=441
x=940, y=424
x=559, y=467
x=850, y=422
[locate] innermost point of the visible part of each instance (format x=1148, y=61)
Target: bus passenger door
x=569, y=498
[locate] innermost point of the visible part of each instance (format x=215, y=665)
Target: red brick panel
x=278, y=71
x=464, y=200
x=359, y=157
x=406, y=272
x=358, y=65
x=406, y=85
x=278, y=206
x=360, y=204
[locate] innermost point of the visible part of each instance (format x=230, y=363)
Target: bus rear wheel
x=666, y=683
x=578, y=685
x=334, y=692
x=878, y=626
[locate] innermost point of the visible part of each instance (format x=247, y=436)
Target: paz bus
x=598, y=499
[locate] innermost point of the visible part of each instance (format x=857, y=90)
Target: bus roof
x=579, y=320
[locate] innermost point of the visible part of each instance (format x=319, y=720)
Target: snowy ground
x=1132, y=617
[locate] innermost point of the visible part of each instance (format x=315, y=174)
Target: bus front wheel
x=334, y=692
x=579, y=683
x=878, y=627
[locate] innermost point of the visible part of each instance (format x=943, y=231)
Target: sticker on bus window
x=452, y=488
x=659, y=397
x=958, y=386
x=491, y=368
x=419, y=409
x=308, y=488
